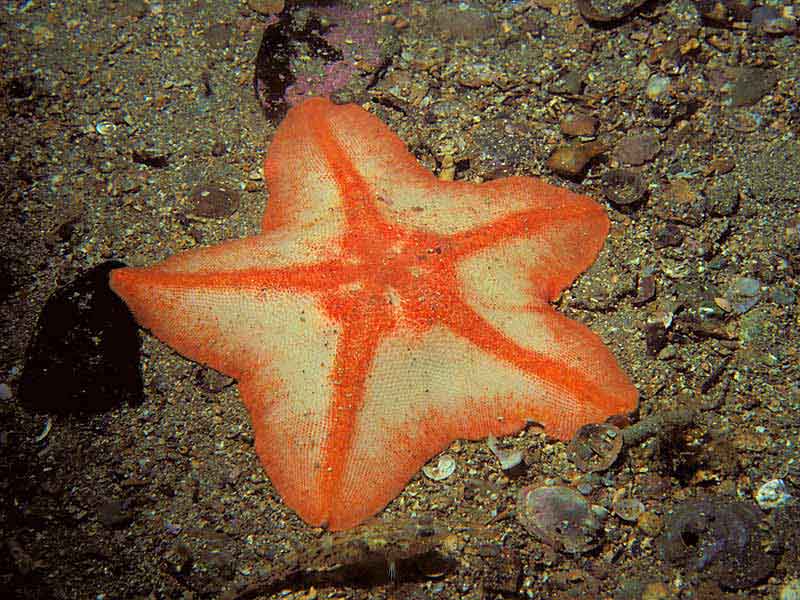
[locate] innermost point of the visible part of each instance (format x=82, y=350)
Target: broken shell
x=105, y=127
x=560, y=517
x=442, y=470
x=45, y=431
x=508, y=458
x=595, y=447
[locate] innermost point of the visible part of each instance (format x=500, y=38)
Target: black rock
x=85, y=354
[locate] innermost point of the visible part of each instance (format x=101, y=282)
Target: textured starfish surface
x=383, y=313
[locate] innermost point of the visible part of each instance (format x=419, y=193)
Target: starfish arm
x=407, y=194
x=427, y=389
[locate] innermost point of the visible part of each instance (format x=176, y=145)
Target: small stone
x=650, y=523
x=645, y=290
x=638, y=149
x=575, y=125
x=656, y=590
x=266, y=7
x=768, y=20
x=151, y=157
x=668, y=236
x=623, y=187
x=5, y=392
x=571, y=83
x=218, y=35
x=783, y=296
x=657, y=86
x=213, y=201
x=746, y=286
x=570, y=161
x=114, y=514
x=752, y=83
x=218, y=149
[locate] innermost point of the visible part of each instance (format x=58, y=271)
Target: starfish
x=382, y=313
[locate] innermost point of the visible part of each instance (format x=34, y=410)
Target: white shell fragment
x=442, y=470
x=105, y=127
x=508, y=458
x=772, y=494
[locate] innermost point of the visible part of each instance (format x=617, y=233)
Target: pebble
x=210, y=201
x=657, y=86
x=656, y=590
x=5, y=392
x=266, y=7
x=623, y=187
x=783, y=296
x=752, y=83
x=114, y=514
x=570, y=161
x=559, y=517
x=650, y=523
x=575, y=125
x=768, y=20
x=747, y=286
x=637, y=149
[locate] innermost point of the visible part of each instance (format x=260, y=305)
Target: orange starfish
x=383, y=313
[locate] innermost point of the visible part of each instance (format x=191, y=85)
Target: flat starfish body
x=383, y=313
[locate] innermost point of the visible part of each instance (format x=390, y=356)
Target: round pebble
x=559, y=517
x=657, y=86
x=747, y=286
x=5, y=392
x=213, y=201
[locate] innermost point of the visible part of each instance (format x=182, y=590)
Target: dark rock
x=637, y=149
x=213, y=201
x=721, y=538
x=668, y=236
x=85, y=354
x=752, y=83
x=623, y=187
x=150, y=157
x=114, y=514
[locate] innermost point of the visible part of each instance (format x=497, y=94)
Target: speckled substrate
x=167, y=499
